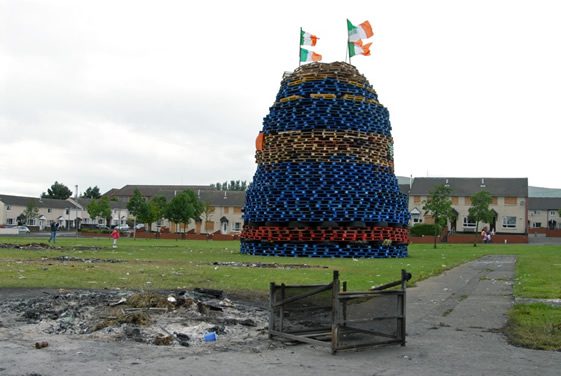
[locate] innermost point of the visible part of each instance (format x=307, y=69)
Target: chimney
x=199, y=193
x=225, y=195
x=482, y=183
x=76, y=194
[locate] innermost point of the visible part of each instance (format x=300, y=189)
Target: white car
x=23, y=229
x=123, y=227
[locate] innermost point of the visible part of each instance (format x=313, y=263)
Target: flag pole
x=347, y=53
x=299, y=46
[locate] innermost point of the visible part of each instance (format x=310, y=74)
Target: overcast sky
x=110, y=93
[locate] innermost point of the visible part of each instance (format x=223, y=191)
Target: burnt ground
x=162, y=318
x=454, y=327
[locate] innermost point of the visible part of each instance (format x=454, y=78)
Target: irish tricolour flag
x=306, y=55
x=357, y=48
x=362, y=31
x=307, y=39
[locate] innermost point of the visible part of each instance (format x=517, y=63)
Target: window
x=552, y=213
x=31, y=222
x=494, y=201
x=416, y=218
x=537, y=225
x=455, y=200
x=467, y=201
x=49, y=210
x=469, y=222
x=8, y=207
x=237, y=226
x=67, y=211
x=10, y=221
x=510, y=200
x=226, y=210
x=237, y=210
x=509, y=222
x=417, y=199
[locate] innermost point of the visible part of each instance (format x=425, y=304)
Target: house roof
x=223, y=198
x=153, y=190
x=214, y=198
x=39, y=202
x=404, y=188
x=84, y=202
x=500, y=187
x=544, y=203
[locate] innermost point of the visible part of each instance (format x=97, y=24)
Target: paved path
x=452, y=330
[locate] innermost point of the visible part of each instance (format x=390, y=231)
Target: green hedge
x=95, y=231
x=421, y=229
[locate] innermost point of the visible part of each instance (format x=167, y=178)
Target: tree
x=136, y=205
x=100, y=208
x=479, y=210
x=233, y=185
x=439, y=207
x=153, y=211
x=58, y=191
x=31, y=212
x=92, y=192
x=184, y=207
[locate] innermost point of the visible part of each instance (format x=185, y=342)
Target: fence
x=330, y=316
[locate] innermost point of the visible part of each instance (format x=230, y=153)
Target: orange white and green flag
x=362, y=31
x=357, y=48
x=307, y=55
x=307, y=38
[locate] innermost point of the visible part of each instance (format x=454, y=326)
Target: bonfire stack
x=325, y=183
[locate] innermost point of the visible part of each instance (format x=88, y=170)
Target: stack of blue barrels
x=325, y=183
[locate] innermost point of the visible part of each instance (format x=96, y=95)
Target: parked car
x=123, y=227
x=23, y=229
x=139, y=226
x=102, y=227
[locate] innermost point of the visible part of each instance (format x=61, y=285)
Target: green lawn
x=172, y=264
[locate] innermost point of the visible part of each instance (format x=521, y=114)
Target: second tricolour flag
x=357, y=48
x=307, y=55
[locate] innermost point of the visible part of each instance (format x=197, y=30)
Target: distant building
x=543, y=212
x=509, y=202
x=224, y=213
x=63, y=212
x=119, y=213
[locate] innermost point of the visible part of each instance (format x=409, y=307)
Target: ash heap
x=325, y=183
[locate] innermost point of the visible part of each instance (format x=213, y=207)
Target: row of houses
x=514, y=211
x=224, y=213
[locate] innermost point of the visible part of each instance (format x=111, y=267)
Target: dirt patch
x=29, y=246
x=45, y=246
x=80, y=259
x=169, y=318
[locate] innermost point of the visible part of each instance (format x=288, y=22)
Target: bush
x=95, y=231
x=421, y=229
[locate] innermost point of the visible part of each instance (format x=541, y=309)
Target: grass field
x=172, y=264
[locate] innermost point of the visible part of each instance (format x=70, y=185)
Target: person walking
x=115, y=235
x=54, y=229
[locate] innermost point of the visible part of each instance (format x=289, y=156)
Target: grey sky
x=110, y=93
